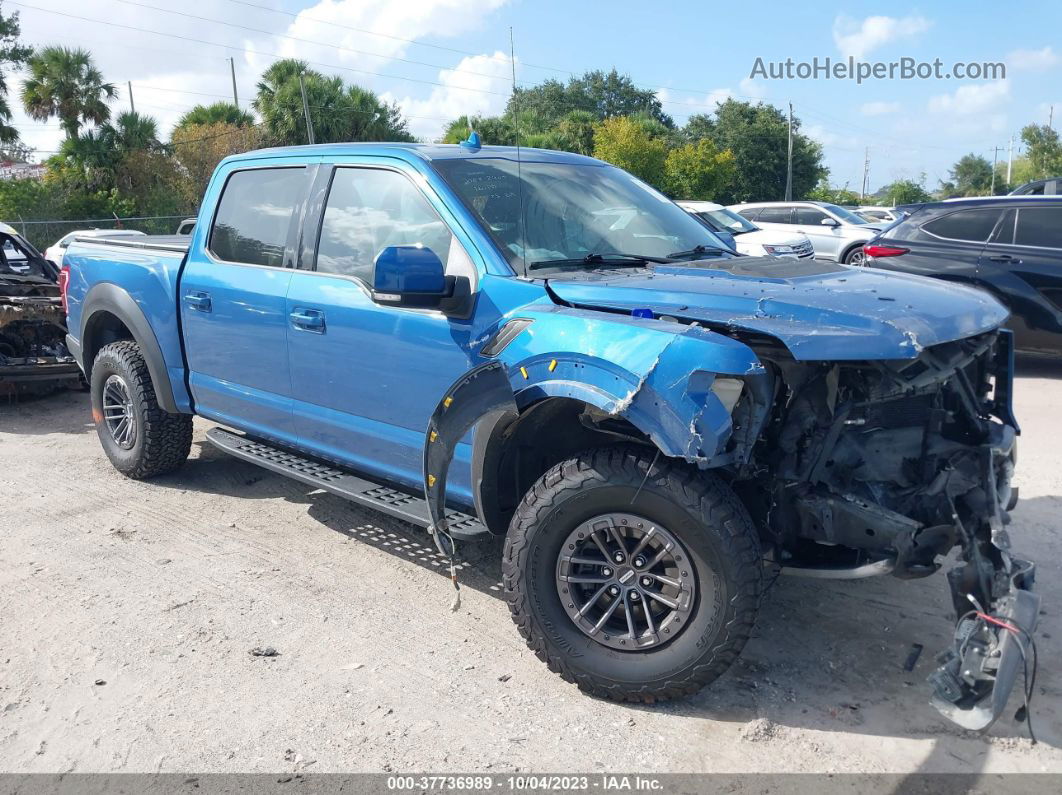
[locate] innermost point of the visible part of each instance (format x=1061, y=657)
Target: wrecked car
x=33, y=353
x=484, y=340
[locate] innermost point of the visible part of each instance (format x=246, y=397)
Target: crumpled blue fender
x=656, y=374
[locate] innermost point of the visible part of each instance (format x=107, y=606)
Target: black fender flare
x=112, y=299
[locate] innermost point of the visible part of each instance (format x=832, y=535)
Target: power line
x=308, y=41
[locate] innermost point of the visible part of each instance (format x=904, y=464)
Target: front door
x=1022, y=264
x=233, y=296
x=827, y=241
x=366, y=377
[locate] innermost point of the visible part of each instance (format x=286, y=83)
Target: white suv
x=836, y=233
x=749, y=238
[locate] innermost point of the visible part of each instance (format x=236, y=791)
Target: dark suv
x=1010, y=246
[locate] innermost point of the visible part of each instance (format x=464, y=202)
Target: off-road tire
x=163, y=440
x=698, y=508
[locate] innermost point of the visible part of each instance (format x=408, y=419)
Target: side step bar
x=384, y=499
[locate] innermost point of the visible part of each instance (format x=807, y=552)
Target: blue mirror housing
x=410, y=276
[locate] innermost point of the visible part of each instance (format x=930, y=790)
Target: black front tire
x=698, y=509
x=159, y=441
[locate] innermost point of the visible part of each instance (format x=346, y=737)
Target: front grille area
x=804, y=250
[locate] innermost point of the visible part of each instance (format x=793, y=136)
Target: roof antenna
x=521, y=224
x=472, y=141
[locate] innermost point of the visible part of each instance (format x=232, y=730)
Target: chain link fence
x=43, y=233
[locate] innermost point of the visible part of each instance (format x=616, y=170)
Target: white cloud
x=1034, y=60
x=748, y=90
x=879, y=108
x=170, y=75
x=859, y=39
x=978, y=98
x=475, y=87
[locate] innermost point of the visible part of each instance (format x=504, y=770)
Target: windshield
x=846, y=215
x=572, y=212
x=728, y=220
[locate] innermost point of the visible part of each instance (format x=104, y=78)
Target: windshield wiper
x=623, y=260
x=697, y=251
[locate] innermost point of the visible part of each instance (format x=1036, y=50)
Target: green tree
x=12, y=56
x=603, y=94
x=218, y=113
x=629, y=143
x=906, y=191
x=698, y=170
x=337, y=112
x=494, y=130
x=757, y=134
x=972, y=175
x=198, y=149
x=1043, y=149
x=64, y=84
x=823, y=192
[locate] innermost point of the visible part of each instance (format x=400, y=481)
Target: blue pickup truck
x=484, y=340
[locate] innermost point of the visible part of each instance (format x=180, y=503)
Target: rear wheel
x=855, y=256
x=636, y=585
x=140, y=438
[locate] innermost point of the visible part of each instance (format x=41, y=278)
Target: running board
x=366, y=493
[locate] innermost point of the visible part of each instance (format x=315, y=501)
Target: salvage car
x=1010, y=246
x=652, y=418
x=33, y=353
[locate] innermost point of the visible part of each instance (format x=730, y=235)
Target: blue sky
x=692, y=53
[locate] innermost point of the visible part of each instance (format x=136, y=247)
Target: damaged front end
x=888, y=465
x=33, y=353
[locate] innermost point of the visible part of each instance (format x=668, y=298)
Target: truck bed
x=168, y=243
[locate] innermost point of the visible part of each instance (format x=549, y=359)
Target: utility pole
x=132, y=107
x=1010, y=158
x=865, y=185
x=789, y=160
x=995, y=153
x=232, y=67
x=1051, y=117
x=306, y=111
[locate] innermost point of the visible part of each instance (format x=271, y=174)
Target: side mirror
x=829, y=222
x=411, y=276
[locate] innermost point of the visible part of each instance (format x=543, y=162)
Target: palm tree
x=218, y=113
x=63, y=83
x=131, y=131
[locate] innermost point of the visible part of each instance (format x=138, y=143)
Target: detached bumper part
x=976, y=676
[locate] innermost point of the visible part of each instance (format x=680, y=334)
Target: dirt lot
x=128, y=610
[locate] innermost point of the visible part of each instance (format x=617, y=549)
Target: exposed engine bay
x=865, y=467
x=33, y=353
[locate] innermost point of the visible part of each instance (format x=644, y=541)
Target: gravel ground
x=128, y=612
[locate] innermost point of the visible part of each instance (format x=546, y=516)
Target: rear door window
x=973, y=225
x=254, y=215
x=808, y=215
x=775, y=215
x=1039, y=226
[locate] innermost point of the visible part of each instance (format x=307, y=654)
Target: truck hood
x=817, y=310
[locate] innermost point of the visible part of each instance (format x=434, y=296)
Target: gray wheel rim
x=626, y=582
x=857, y=257
x=118, y=413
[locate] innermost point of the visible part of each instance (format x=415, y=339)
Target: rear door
x=233, y=298
x=1022, y=264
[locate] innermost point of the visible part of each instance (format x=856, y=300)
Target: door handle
x=198, y=301
x=308, y=320
x=1006, y=258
